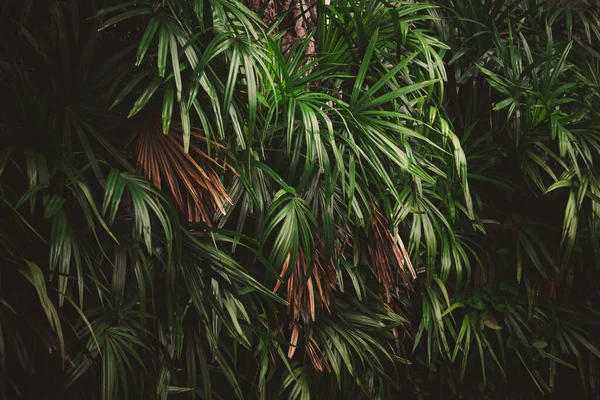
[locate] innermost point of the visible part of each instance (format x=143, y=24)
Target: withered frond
x=304, y=291
x=312, y=349
x=192, y=182
x=388, y=257
x=316, y=356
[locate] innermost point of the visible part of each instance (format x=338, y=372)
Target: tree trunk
x=301, y=17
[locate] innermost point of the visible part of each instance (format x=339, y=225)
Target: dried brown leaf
x=193, y=184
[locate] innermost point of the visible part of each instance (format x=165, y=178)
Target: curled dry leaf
x=294, y=339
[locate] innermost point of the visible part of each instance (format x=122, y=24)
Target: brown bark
x=300, y=19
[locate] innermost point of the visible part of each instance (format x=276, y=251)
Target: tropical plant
x=198, y=204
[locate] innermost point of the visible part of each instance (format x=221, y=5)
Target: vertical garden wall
x=301, y=200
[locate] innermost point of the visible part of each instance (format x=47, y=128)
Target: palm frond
x=193, y=184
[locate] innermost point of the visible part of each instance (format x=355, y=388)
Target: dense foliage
x=406, y=202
